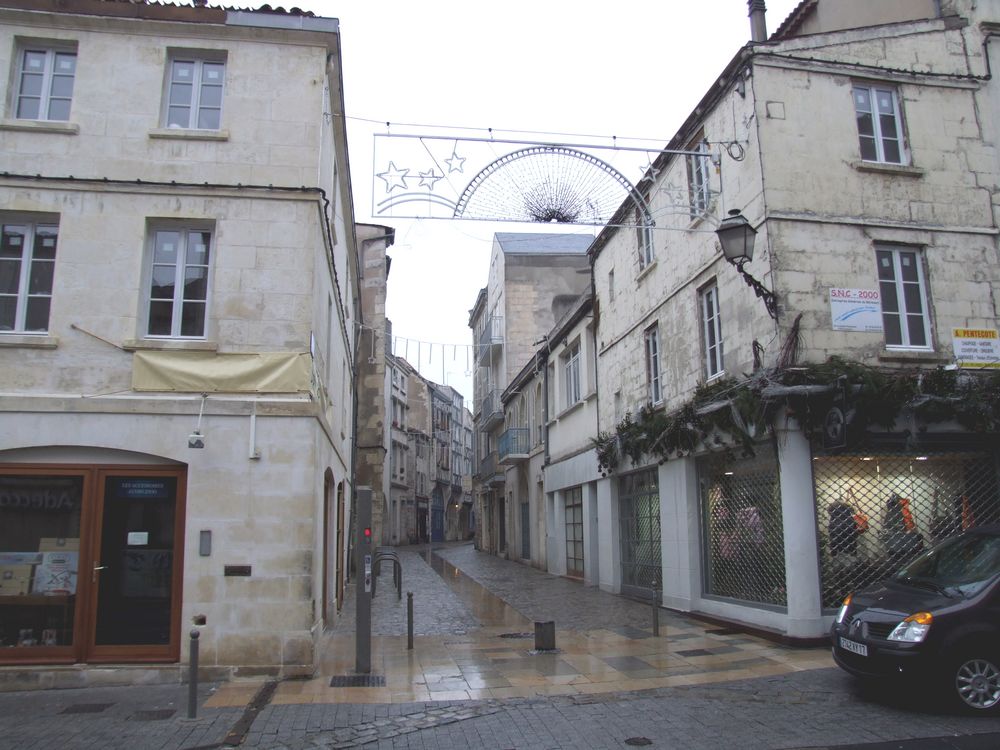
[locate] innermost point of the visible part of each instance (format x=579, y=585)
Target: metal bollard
x=656, y=613
x=409, y=620
x=193, y=677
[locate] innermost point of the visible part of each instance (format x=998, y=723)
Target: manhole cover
x=517, y=635
x=153, y=714
x=358, y=680
x=86, y=708
x=638, y=741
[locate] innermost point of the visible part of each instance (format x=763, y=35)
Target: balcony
x=490, y=339
x=492, y=412
x=514, y=445
x=489, y=470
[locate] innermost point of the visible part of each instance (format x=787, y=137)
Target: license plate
x=855, y=648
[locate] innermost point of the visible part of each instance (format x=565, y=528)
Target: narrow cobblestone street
x=472, y=681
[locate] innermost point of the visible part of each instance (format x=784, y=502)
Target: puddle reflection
x=484, y=606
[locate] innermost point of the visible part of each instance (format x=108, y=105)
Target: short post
x=545, y=636
x=193, y=676
x=409, y=620
x=656, y=609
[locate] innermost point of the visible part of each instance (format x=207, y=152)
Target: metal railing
x=491, y=412
x=491, y=337
x=514, y=442
x=488, y=466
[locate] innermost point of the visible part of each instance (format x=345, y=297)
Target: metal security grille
x=639, y=499
x=574, y=532
x=742, y=526
x=877, y=512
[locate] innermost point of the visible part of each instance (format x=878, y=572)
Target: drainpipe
x=758, y=24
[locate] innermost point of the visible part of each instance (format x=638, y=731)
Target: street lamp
x=737, y=237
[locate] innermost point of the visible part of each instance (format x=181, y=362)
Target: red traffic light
x=368, y=533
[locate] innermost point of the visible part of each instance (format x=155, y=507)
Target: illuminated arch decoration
x=428, y=176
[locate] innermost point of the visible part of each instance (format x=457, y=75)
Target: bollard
x=409, y=620
x=193, y=676
x=656, y=613
x=545, y=636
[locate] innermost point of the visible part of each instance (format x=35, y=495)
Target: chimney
x=758, y=25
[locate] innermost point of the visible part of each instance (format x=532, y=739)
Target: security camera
x=196, y=440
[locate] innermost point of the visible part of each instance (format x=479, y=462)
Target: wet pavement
x=473, y=680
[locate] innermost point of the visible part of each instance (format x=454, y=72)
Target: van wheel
x=975, y=680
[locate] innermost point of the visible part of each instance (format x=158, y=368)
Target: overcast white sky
x=625, y=68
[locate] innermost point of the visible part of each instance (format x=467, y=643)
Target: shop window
x=39, y=556
x=574, y=532
x=878, y=512
x=744, y=539
x=639, y=516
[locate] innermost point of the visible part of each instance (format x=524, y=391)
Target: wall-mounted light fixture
x=737, y=237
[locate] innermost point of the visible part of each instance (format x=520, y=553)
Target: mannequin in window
x=899, y=531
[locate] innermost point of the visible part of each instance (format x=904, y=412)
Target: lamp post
x=737, y=238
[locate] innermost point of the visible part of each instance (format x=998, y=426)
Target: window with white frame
x=571, y=373
x=44, y=80
x=195, y=85
x=699, y=187
x=27, y=267
x=644, y=238
x=711, y=327
x=178, y=280
x=905, y=317
x=651, y=338
x=880, y=123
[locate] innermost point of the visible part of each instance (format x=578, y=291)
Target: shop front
x=639, y=519
x=91, y=561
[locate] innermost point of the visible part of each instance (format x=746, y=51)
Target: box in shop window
x=15, y=580
x=59, y=544
x=56, y=574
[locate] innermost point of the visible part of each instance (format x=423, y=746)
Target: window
x=611, y=284
x=711, y=331
x=571, y=371
x=27, y=265
x=879, y=124
x=178, y=287
x=699, y=191
x=644, y=237
x=194, y=92
x=904, y=297
x=652, y=341
x=44, y=83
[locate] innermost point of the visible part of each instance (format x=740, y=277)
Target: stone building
x=178, y=323
x=533, y=279
x=776, y=430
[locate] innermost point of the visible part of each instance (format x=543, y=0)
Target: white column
x=551, y=543
x=679, y=532
x=590, y=546
x=609, y=535
x=798, y=511
x=557, y=564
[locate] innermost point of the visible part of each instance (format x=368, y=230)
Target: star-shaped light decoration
x=649, y=172
x=428, y=178
x=394, y=177
x=455, y=162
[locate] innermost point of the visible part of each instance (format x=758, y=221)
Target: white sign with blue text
x=856, y=310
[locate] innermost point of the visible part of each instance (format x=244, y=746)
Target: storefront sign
x=856, y=310
x=148, y=489
x=976, y=347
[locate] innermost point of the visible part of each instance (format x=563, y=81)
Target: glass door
x=137, y=568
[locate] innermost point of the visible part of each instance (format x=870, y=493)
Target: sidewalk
x=472, y=681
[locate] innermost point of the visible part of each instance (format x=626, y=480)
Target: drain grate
x=153, y=714
x=86, y=708
x=517, y=635
x=358, y=680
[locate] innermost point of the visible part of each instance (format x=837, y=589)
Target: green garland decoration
x=731, y=415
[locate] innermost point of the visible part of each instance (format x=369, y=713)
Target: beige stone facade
x=257, y=183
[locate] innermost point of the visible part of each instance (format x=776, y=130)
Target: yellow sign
x=976, y=347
